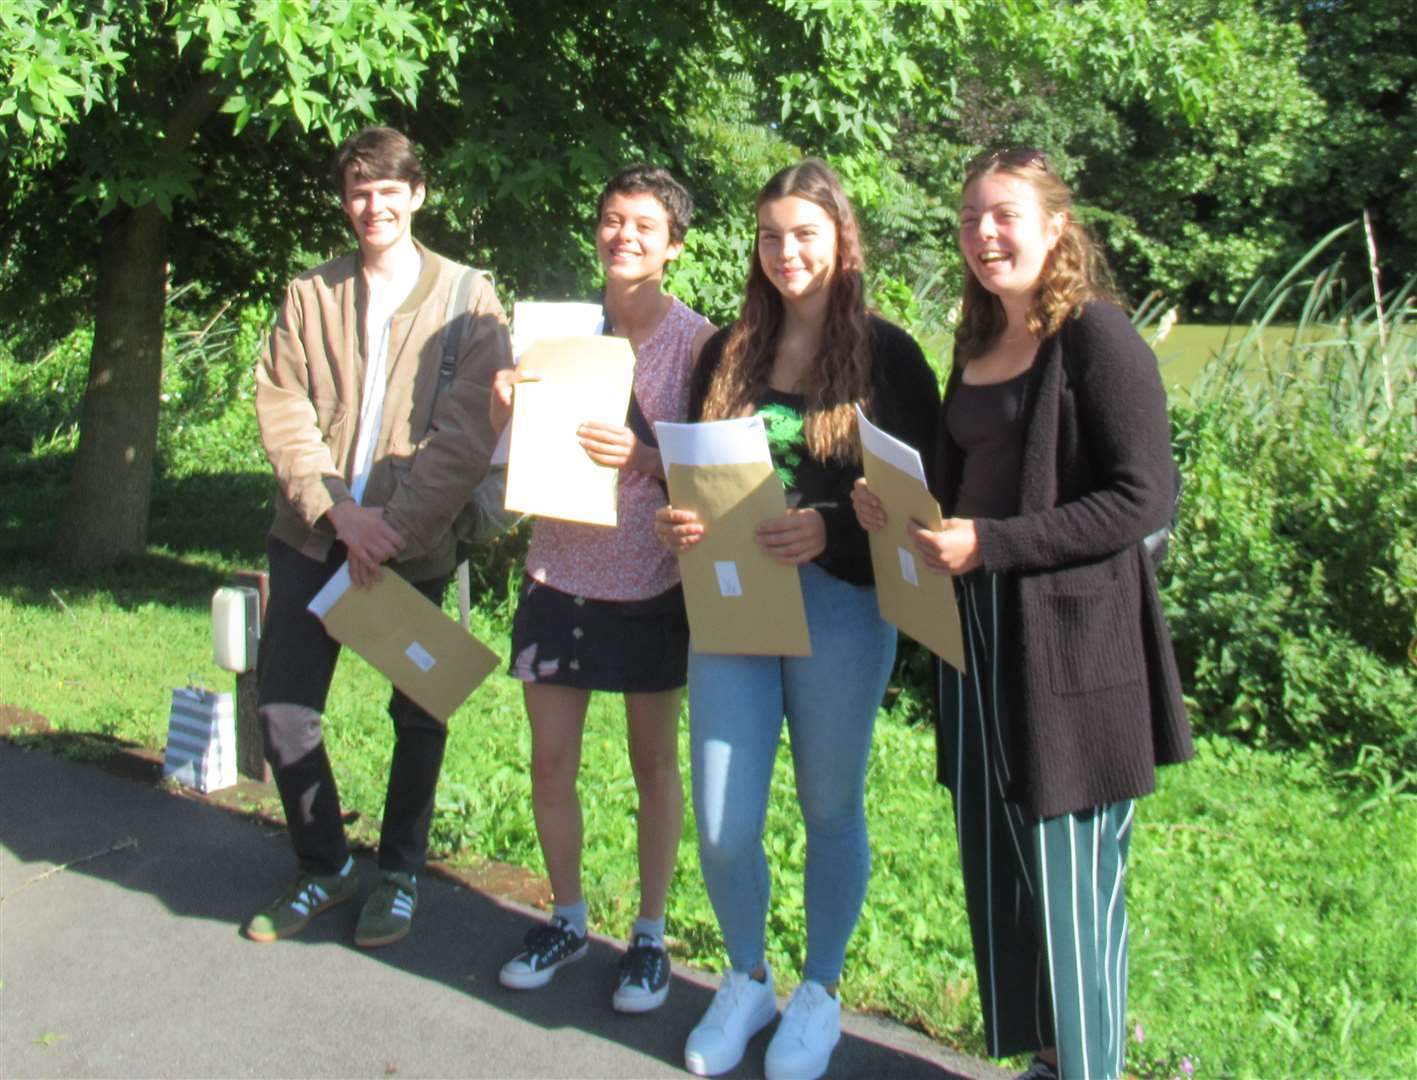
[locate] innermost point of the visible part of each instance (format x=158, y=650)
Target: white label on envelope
x=421, y=657
x=728, y=583
x=907, y=566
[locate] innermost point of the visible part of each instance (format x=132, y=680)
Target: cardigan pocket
x=1093, y=642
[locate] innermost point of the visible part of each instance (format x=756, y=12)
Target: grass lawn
x=1272, y=915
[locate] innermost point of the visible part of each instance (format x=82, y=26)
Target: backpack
x=483, y=516
x=1158, y=542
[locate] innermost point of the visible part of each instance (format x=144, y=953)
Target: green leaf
x=301, y=109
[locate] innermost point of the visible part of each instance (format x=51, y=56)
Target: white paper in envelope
x=741, y=441
x=911, y=596
x=539, y=320
x=549, y=472
x=888, y=448
x=739, y=599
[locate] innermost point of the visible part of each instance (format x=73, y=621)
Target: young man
x=373, y=459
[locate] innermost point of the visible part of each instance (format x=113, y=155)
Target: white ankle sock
x=574, y=914
x=653, y=928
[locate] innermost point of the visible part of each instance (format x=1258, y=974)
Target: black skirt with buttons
x=624, y=646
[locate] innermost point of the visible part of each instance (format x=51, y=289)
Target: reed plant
x=1292, y=584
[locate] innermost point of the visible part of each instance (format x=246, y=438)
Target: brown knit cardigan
x=1095, y=700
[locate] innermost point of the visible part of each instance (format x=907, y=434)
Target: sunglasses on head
x=1017, y=157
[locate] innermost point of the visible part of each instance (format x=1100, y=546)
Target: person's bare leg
x=653, y=723
x=557, y=715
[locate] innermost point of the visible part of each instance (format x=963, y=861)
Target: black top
x=986, y=422
x=906, y=403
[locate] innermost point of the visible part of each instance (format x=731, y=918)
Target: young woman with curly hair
x=802, y=355
x=1054, y=464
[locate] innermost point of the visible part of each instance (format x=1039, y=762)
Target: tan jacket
x=308, y=388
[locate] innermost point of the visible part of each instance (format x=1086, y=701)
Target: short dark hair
x=677, y=202
x=377, y=153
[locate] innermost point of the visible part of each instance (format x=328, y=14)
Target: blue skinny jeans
x=736, y=708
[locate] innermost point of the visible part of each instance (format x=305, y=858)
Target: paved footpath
x=119, y=956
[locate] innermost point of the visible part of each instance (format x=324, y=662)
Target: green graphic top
x=786, y=441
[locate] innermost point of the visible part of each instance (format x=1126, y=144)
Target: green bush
x=1292, y=585
x=208, y=423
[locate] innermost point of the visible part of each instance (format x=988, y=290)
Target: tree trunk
x=105, y=517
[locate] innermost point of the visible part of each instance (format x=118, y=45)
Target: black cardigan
x=906, y=398
x=1095, y=697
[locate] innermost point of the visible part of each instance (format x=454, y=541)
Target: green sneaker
x=388, y=913
x=307, y=896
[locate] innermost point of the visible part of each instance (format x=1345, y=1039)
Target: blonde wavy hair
x=841, y=375
x=1074, y=272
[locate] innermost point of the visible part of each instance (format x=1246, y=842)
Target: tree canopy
x=155, y=145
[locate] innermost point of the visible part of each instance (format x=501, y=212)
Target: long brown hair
x=1074, y=272
x=841, y=376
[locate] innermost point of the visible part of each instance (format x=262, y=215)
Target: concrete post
x=250, y=754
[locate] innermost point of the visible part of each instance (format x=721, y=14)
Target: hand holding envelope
x=404, y=635
x=738, y=544
x=921, y=602
x=953, y=548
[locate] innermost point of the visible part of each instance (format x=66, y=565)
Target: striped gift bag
x=201, y=739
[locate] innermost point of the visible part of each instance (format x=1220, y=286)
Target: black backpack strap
x=454, y=322
x=636, y=420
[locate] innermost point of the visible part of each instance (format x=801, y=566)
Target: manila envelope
x=739, y=598
x=400, y=632
x=915, y=598
x=548, y=471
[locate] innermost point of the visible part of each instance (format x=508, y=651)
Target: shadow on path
x=120, y=956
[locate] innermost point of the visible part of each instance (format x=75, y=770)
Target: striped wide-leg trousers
x=1046, y=901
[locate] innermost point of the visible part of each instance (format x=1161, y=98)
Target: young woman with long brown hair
x=802, y=355
x=1054, y=463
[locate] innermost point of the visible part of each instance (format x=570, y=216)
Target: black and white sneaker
x=1038, y=1069
x=643, y=982
x=547, y=948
